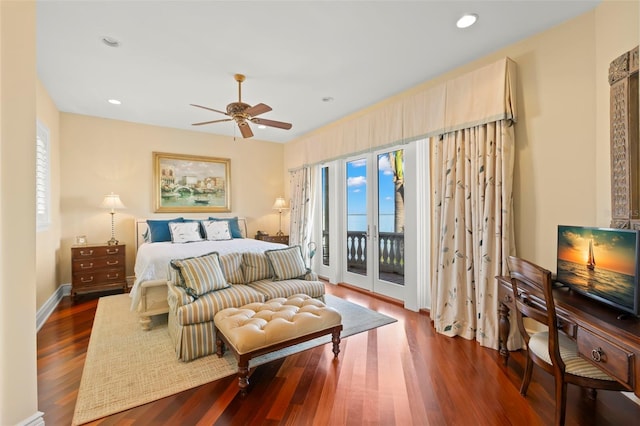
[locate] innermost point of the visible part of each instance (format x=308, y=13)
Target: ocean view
x=358, y=222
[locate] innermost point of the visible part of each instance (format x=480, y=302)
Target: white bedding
x=152, y=259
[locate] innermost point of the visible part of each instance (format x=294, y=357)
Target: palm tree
x=396, y=159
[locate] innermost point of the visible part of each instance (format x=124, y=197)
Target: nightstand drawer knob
x=86, y=253
x=112, y=251
x=86, y=280
x=115, y=262
x=87, y=266
x=596, y=354
x=112, y=277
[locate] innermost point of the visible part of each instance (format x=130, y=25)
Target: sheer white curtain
x=473, y=229
x=302, y=202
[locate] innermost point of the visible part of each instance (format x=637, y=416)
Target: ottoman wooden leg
x=335, y=338
x=219, y=347
x=243, y=374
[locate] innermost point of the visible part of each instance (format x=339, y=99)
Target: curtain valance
x=478, y=97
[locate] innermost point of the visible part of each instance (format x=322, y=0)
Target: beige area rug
x=126, y=367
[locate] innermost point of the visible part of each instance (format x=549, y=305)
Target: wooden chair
x=551, y=350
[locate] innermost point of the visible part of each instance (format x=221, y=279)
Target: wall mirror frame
x=625, y=147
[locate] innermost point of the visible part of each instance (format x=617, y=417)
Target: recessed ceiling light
x=110, y=41
x=114, y=101
x=327, y=99
x=467, y=20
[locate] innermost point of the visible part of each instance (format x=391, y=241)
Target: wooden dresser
x=282, y=239
x=97, y=268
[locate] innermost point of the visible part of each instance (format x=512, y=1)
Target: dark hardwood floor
x=399, y=374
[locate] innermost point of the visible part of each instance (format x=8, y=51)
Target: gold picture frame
x=191, y=183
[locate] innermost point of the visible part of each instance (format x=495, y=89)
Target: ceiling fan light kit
x=243, y=113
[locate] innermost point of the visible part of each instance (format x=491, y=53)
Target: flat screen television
x=601, y=263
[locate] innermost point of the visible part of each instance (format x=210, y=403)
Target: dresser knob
x=86, y=253
x=86, y=280
x=87, y=266
x=115, y=262
x=596, y=354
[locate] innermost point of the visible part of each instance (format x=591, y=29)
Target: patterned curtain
x=301, y=220
x=473, y=217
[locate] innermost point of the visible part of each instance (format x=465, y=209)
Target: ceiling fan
x=243, y=113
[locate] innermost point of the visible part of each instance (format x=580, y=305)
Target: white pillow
x=216, y=230
x=185, y=232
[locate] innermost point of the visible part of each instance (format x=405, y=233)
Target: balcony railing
x=391, y=249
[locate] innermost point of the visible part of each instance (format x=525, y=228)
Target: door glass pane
x=325, y=216
x=391, y=216
x=357, y=216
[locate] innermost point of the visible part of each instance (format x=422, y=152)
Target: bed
x=149, y=291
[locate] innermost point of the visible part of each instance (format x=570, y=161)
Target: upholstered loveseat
x=198, y=288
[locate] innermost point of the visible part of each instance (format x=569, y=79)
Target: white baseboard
x=51, y=303
x=34, y=420
x=632, y=396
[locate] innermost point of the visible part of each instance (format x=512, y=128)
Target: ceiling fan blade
x=257, y=110
x=271, y=123
x=211, y=122
x=209, y=109
x=245, y=130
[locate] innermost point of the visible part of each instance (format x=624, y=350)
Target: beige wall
x=100, y=156
x=18, y=375
x=561, y=173
x=48, y=240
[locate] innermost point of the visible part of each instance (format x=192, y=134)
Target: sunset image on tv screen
x=598, y=261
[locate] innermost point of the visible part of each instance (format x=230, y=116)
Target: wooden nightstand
x=282, y=239
x=97, y=268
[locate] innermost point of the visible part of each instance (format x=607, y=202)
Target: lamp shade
x=280, y=204
x=112, y=202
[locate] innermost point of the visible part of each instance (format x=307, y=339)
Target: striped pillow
x=286, y=263
x=255, y=267
x=202, y=274
x=232, y=267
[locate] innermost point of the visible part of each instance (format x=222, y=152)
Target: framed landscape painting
x=190, y=183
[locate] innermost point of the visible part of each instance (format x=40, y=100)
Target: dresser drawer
x=96, y=251
x=93, y=263
x=613, y=359
x=101, y=277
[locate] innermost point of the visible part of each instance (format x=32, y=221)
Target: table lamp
x=280, y=205
x=112, y=201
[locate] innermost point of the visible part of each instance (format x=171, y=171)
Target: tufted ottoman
x=260, y=328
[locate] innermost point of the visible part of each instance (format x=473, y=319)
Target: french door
x=373, y=217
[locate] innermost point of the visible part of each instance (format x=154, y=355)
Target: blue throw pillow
x=159, y=229
x=234, y=226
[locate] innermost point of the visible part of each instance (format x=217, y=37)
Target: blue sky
x=357, y=186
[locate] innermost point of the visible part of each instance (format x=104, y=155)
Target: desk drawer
x=613, y=359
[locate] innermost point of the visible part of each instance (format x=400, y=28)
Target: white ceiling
x=294, y=53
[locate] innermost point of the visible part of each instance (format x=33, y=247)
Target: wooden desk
x=610, y=343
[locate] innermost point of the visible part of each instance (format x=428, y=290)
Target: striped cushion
x=274, y=289
x=255, y=266
x=201, y=274
x=286, y=263
x=232, y=267
x=539, y=345
x=205, y=307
